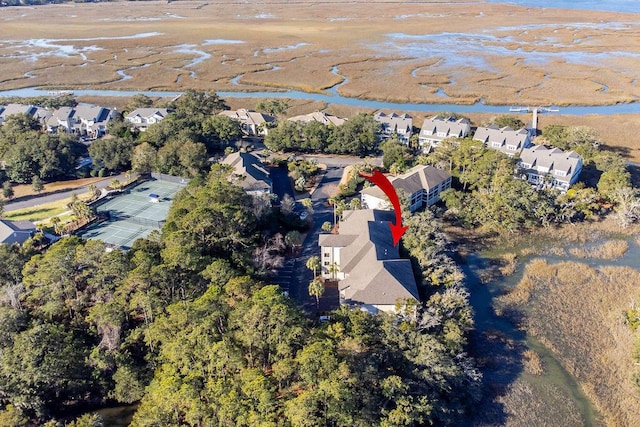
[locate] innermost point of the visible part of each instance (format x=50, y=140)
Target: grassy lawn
x=43, y=211
x=26, y=190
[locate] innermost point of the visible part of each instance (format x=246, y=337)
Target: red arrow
x=397, y=230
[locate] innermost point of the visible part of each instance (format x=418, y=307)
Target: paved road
x=294, y=277
x=47, y=198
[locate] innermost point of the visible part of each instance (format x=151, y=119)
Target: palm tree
x=316, y=289
x=58, y=228
x=333, y=269
x=95, y=192
x=115, y=184
x=313, y=263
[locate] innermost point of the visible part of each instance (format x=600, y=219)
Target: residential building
x=141, y=118
x=318, y=116
x=251, y=122
x=437, y=128
x=393, y=124
x=249, y=173
x=549, y=167
x=15, y=231
x=85, y=120
x=91, y=120
x=506, y=140
x=368, y=266
x=37, y=113
x=422, y=184
x=61, y=120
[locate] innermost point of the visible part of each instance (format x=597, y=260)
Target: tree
x=143, y=158
x=57, y=225
x=333, y=269
x=196, y=105
x=287, y=205
x=113, y=153
x=7, y=190
x=316, y=289
x=507, y=120
x=219, y=129
x=193, y=158
x=627, y=206
x=285, y=136
x=394, y=152
x=139, y=100
x=293, y=238
x=273, y=106
x=327, y=226
x=313, y=263
x=94, y=191
x=358, y=136
x=36, y=184
x=44, y=366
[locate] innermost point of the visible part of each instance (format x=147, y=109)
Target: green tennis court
x=133, y=214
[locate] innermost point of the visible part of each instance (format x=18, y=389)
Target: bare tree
x=628, y=206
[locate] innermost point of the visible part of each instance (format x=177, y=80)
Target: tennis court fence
x=136, y=220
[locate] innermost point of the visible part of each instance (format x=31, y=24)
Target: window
x=326, y=263
x=495, y=144
x=327, y=254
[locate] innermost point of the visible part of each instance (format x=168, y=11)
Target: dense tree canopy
x=357, y=135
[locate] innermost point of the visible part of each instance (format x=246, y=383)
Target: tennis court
x=133, y=214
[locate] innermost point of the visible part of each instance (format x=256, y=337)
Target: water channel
x=482, y=298
x=332, y=97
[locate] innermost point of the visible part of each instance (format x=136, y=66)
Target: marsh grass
x=533, y=364
x=540, y=405
x=378, y=71
x=578, y=313
x=610, y=249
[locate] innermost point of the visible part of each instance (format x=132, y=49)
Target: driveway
x=295, y=276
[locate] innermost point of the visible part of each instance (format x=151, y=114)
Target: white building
x=422, y=184
x=394, y=124
x=437, y=128
x=142, y=118
x=550, y=167
x=506, y=140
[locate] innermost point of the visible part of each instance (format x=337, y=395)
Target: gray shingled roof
x=15, y=231
x=318, y=116
x=375, y=274
x=394, y=121
x=148, y=112
x=447, y=125
x=553, y=159
x=417, y=178
x=11, y=109
x=255, y=176
x=91, y=112
x=248, y=116
x=506, y=136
